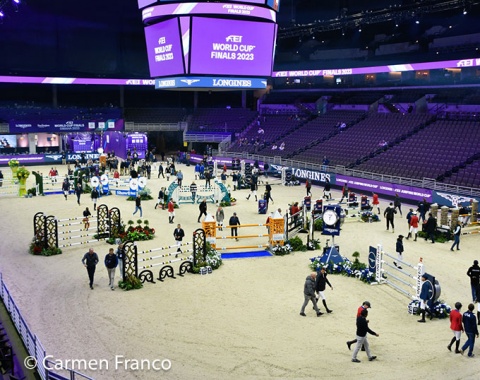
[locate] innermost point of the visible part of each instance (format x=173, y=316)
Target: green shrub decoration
x=297, y=244
x=36, y=248
x=131, y=282
x=318, y=224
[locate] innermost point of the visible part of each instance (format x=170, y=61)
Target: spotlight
x=360, y=29
x=16, y=1
x=417, y=22
x=465, y=11
x=1, y=14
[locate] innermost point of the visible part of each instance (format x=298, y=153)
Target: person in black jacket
x=111, y=262
x=233, y=223
x=90, y=261
x=431, y=227
x=474, y=274
x=389, y=215
x=320, y=285
x=399, y=249
x=362, y=330
x=178, y=233
x=309, y=294
x=203, y=209
x=94, y=195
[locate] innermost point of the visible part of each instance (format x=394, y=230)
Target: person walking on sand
x=203, y=209
x=389, y=215
x=320, y=285
x=399, y=249
x=470, y=327
x=111, y=263
x=220, y=216
x=138, y=205
x=362, y=330
x=233, y=223
x=78, y=192
x=456, y=327
x=171, y=211
x=86, y=215
x=90, y=261
x=375, y=203
x=309, y=294
x=364, y=306
x=456, y=237
x=179, y=234
x=94, y=195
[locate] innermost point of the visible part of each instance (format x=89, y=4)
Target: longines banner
x=56, y=126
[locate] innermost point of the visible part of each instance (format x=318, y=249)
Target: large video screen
x=164, y=49
x=8, y=141
x=231, y=47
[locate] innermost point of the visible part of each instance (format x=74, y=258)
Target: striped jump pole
x=76, y=218
x=243, y=247
x=166, y=247
x=76, y=236
x=78, y=243
x=164, y=255
x=386, y=272
x=242, y=236
x=75, y=223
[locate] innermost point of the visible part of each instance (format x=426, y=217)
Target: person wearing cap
x=362, y=330
x=456, y=327
x=233, y=223
x=470, y=328
x=309, y=294
x=426, y=294
x=364, y=306
x=399, y=249
x=320, y=285
x=413, y=226
x=474, y=274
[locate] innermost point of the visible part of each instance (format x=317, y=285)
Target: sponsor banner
x=313, y=176
x=72, y=157
x=451, y=200
x=368, y=186
x=472, y=62
x=210, y=82
x=56, y=126
x=125, y=193
x=31, y=159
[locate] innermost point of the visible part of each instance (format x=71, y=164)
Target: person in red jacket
x=376, y=202
x=171, y=211
x=456, y=327
x=364, y=306
x=413, y=226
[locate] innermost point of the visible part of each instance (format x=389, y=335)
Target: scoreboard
x=210, y=42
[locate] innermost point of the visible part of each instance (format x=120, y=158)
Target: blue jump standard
x=245, y=255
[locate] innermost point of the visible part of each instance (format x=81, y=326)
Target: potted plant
x=22, y=175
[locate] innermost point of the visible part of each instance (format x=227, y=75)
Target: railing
x=32, y=343
x=426, y=183
x=204, y=137
x=149, y=127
